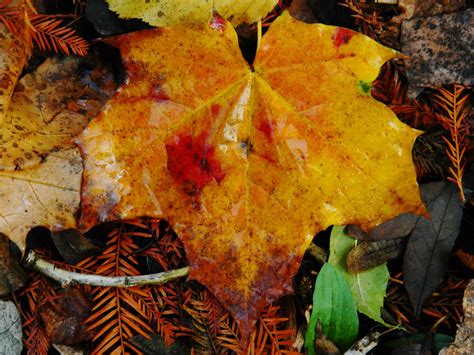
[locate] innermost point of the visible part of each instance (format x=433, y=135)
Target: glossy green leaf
x=334, y=307
x=368, y=287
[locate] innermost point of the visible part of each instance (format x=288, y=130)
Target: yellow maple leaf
x=248, y=163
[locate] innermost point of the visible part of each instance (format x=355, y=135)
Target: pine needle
x=454, y=104
x=48, y=32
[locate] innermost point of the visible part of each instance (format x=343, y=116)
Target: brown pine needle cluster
x=48, y=32
x=443, y=308
x=454, y=104
x=372, y=24
x=121, y=313
x=175, y=310
x=214, y=330
x=29, y=301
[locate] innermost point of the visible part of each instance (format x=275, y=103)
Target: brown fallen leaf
x=367, y=255
x=224, y=151
x=466, y=258
x=64, y=320
x=12, y=276
x=51, y=106
x=397, y=227
x=47, y=195
x=429, y=247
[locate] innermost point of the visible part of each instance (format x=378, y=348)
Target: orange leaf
x=248, y=163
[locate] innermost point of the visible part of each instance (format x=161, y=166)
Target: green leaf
x=334, y=307
x=368, y=288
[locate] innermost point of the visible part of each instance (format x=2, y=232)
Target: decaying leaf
x=13, y=57
x=171, y=12
x=64, y=320
x=430, y=244
x=12, y=276
x=397, y=227
x=368, y=287
x=247, y=164
x=47, y=195
x=366, y=255
x=49, y=107
x=73, y=246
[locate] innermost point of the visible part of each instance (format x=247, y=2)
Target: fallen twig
x=69, y=278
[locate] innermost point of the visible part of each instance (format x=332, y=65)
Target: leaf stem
x=259, y=34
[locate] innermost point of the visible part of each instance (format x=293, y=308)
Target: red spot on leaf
x=192, y=162
x=342, y=36
x=217, y=23
x=267, y=129
x=215, y=109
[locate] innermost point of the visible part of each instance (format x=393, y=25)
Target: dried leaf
x=13, y=56
x=397, y=227
x=49, y=107
x=368, y=255
x=10, y=329
x=73, y=246
x=64, y=321
x=12, y=276
x=172, y=12
x=331, y=295
x=430, y=244
x=323, y=345
x=222, y=151
x=368, y=288
x=47, y=195
x=466, y=258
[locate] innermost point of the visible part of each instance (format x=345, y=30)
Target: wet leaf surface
x=222, y=150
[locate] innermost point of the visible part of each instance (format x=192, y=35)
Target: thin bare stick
x=69, y=278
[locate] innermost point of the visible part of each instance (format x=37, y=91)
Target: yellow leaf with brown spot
x=49, y=107
x=248, y=163
x=13, y=56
